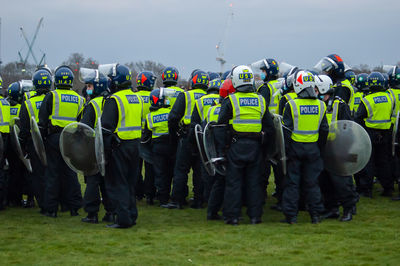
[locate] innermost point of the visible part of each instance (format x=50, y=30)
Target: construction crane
x=30, y=47
x=222, y=43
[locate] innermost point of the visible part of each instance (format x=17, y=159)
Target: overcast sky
x=184, y=33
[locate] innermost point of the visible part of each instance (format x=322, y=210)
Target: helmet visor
x=26, y=85
x=325, y=65
x=109, y=70
x=256, y=67
x=87, y=75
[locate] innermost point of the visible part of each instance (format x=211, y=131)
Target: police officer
x=335, y=189
x=170, y=77
x=42, y=81
x=60, y=108
x=198, y=117
x=305, y=130
x=288, y=90
x=179, y=124
x=163, y=153
x=361, y=89
x=97, y=90
x=5, y=132
x=333, y=66
x=247, y=114
x=146, y=82
x=121, y=120
x=374, y=114
x=216, y=198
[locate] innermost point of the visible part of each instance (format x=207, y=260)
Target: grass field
x=185, y=237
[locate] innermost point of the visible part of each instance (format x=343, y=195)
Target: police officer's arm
x=222, y=136
x=361, y=114
x=323, y=132
x=24, y=124
x=195, y=119
x=344, y=112
x=44, y=113
x=344, y=93
x=282, y=103
x=264, y=91
x=288, y=123
x=109, y=122
x=268, y=128
x=146, y=132
x=89, y=116
x=176, y=114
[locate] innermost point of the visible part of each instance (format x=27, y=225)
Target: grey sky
x=183, y=33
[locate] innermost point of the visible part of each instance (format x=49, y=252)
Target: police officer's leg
x=161, y=175
x=140, y=190
x=312, y=168
x=216, y=198
x=345, y=194
x=181, y=170
x=366, y=176
x=266, y=174
x=15, y=179
x=132, y=156
x=198, y=185
x=291, y=192
x=91, y=198
x=208, y=182
x=279, y=181
x=73, y=192
x=382, y=163
x=328, y=195
x=3, y=177
x=150, y=189
x=52, y=175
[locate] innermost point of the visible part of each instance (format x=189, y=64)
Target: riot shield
x=348, y=148
x=198, y=131
x=145, y=151
x=99, y=148
x=280, y=142
x=17, y=147
x=394, y=134
x=77, y=148
x=38, y=142
x=219, y=163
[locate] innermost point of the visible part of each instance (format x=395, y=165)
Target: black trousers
x=92, y=198
x=37, y=176
x=278, y=178
x=3, y=174
x=120, y=180
x=60, y=178
x=216, y=197
x=146, y=186
x=186, y=158
x=379, y=164
x=304, y=167
x=244, y=173
x=337, y=190
x=164, y=156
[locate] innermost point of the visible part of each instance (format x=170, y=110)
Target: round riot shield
x=38, y=142
x=280, y=142
x=99, y=148
x=394, y=134
x=17, y=147
x=198, y=132
x=145, y=152
x=77, y=148
x=348, y=148
x=210, y=150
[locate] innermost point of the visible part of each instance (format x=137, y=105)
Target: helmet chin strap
x=308, y=93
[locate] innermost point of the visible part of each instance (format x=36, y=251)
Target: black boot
x=51, y=214
x=289, y=220
x=347, y=215
x=108, y=217
x=315, y=219
x=91, y=218
x=331, y=214
x=74, y=213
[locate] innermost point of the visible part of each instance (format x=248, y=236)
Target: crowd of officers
x=162, y=120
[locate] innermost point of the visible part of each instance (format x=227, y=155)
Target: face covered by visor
x=256, y=68
x=325, y=65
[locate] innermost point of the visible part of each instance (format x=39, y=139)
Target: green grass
x=185, y=237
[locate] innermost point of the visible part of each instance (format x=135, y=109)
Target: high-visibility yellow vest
x=346, y=83
x=130, y=113
x=331, y=115
x=379, y=107
x=145, y=95
x=248, y=111
x=213, y=113
x=14, y=113
x=4, y=116
x=357, y=100
x=97, y=104
x=204, y=103
x=273, y=101
x=395, y=94
x=172, y=99
x=29, y=94
x=33, y=104
x=190, y=101
x=67, y=106
x=157, y=122
x=307, y=115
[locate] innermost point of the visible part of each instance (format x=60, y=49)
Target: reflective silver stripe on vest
x=159, y=134
x=288, y=97
x=123, y=114
x=237, y=111
x=97, y=107
x=149, y=118
x=209, y=114
x=394, y=102
x=81, y=101
x=335, y=112
x=2, y=123
x=271, y=98
x=30, y=107
x=369, y=119
x=200, y=105
x=296, y=119
x=188, y=114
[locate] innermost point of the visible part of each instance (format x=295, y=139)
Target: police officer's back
x=4, y=131
x=170, y=76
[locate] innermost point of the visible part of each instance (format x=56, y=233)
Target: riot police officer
x=374, y=114
x=42, y=81
x=121, y=120
x=60, y=108
x=170, y=77
x=250, y=121
x=146, y=82
x=335, y=189
x=305, y=130
x=4, y=131
x=179, y=124
x=97, y=90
